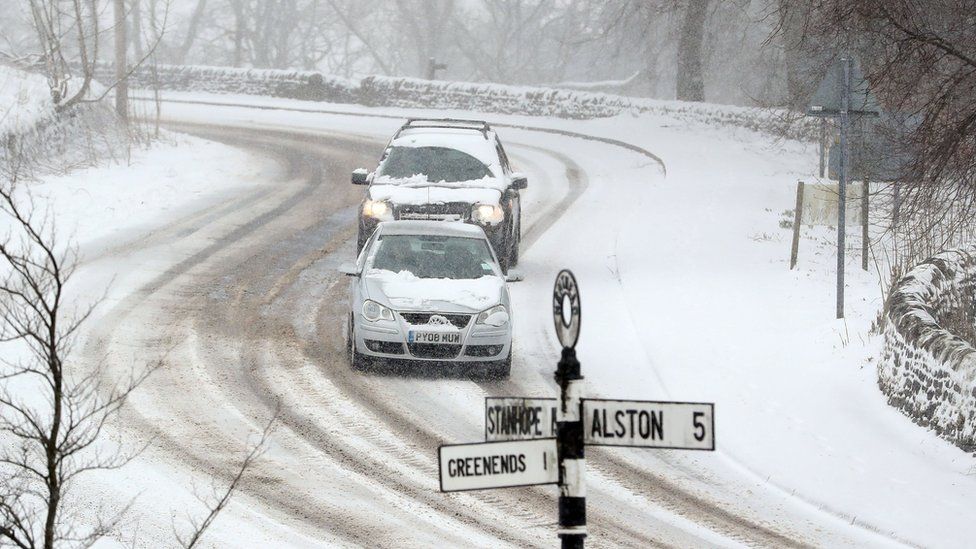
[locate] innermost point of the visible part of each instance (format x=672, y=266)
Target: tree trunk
x=690, y=85
x=121, y=43
x=192, y=30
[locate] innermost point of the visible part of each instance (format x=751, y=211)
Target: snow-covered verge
x=24, y=100
x=31, y=128
x=926, y=370
x=384, y=91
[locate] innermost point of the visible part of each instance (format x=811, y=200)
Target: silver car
x=430, y=292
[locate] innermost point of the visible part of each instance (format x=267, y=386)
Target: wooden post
x=823, y=138
x=865, y=233
x=797, y=220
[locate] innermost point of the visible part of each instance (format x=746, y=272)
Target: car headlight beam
x=378, y=209
x=373, y=311
x=491, y=214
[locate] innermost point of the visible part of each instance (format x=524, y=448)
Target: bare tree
x=67, y=31
x=921, y=64
x=52, y=411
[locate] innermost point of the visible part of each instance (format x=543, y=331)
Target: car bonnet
x=405, y=292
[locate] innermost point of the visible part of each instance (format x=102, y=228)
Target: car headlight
x=373, y=311
x=491, y=214
x=378, y=209
x=496, y=316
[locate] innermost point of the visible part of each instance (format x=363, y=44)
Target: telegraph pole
x=569, y=420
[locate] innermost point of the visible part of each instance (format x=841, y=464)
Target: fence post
x=797, y=220
x=865, y=229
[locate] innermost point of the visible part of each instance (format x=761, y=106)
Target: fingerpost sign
x=507, y=464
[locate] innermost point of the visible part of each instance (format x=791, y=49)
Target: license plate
x=434, y=337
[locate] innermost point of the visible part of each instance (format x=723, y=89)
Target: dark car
x=450, y=170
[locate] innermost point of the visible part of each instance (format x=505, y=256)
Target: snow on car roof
x=466, y=140
x=439, y=228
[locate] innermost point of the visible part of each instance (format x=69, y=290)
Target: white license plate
x=434, y=337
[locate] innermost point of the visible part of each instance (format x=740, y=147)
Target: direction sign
x=649, y=424
x=517, y=418
x=507, y=464
x=827, y=101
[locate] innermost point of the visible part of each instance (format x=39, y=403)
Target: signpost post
x=569, y=424
x=836, y=98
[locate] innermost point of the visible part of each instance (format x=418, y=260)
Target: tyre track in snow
x=176, y=330
x=269, y=490
x=111, y=334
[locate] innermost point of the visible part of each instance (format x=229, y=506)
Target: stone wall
x=928, y=365
x=385, y=91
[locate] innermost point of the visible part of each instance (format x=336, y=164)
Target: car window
x=436, y=163
x=429, y=256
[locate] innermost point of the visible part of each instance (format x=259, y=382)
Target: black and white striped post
x=569, y=414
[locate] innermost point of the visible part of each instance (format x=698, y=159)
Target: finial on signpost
x=566, y=308
x=569, y=414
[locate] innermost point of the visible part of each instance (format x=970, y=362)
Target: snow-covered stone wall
x=385, y=91
x=928, y=369
x=293, y=84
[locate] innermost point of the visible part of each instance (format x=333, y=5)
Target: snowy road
x=248, y=310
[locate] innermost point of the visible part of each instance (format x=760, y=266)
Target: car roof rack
x=446, y=123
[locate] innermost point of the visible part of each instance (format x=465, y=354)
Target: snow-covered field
x=686, y=295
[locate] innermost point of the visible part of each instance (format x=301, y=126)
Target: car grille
x=419, y=319
x=433, y=350
x=454, y=211
x=387, y=347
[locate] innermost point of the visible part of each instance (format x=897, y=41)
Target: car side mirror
x=514, y=276
x=519, y=181
x=349, y=269
x=360, y=176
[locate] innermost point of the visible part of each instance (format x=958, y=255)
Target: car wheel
x=356, y=361
x=505, y=258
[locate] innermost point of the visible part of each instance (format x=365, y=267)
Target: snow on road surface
x=686, y=295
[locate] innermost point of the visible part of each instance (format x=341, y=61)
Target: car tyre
x=514, y=252
x=356, y=361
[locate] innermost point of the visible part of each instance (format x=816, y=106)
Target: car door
x=512, y=202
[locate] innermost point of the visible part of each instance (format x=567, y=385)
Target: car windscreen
x=429, y=256
x=435, y=163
